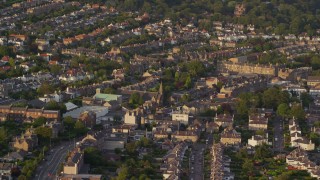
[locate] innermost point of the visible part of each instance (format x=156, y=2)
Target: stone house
x=27, y=141
x=74, y=162
x=258, y=122
x=224, y=120
x=230, y=137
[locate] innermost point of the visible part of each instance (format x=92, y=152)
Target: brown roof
x=314, y=78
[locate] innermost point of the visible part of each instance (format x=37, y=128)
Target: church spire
x=161, y=88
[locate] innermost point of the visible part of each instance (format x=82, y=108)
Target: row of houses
x=171, y=167
x=79, y=22
x=24, y=113
x=220, y=164
x=298, y=160
x=50, y=7
x=296, y=138
x=64, y=19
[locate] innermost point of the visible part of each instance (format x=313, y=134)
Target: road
x=48, y=168
x=278, y=134
x=197, y=158
x=196, y=168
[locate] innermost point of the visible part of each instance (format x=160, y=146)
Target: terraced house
x=25, y=113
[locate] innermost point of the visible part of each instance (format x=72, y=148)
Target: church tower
x=160, y=95
x=161, y=88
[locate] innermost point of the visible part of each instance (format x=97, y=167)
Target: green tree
x=283, y=110
x=176, y=76
x=44, y=132
x=55, y=69
x=294, y=174
x=147, y=7
x=218, y=7
x=12, y=62
x=270, y=97
x=298, y=112
x=143, y=177
x=109, y=90
x=135, y=99
x=22, y=177
x=144, y=142
x=317, y=124
x=262, y=152
x=246, y=101
x=281, y=29
x=124, y=173
x=54, y=105
x=247, y=166
x=242, y=108
x=242, y=153
x=131, y=147
x=260, y=132
x=93, y=156
x=315, y=138
x=130, y=5
x=20, y=104
x=219, y=85
x=45, y=88
x=5, y=51
x=195, y=68
x=39, y=121
x=315, y=62
x=185, y=98
x=306, y=99
x=188, y=83
x=69, y=122
x=80, y=127
x=29, y=174
x=3, y=134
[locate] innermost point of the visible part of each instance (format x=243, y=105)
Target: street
x=197, y=158
x=48, y=168
x=278, y=134
x=196, y=168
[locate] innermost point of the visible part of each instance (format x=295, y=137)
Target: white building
x=181, y=116
x=58, y=97
x=257, y=140
x=314, y=92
